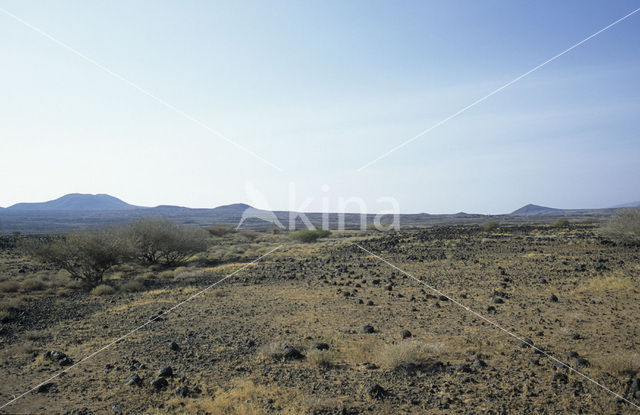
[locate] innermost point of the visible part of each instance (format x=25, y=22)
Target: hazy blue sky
x=320, y=88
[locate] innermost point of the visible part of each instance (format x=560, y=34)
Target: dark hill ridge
x=531, y=209
x=76, y=202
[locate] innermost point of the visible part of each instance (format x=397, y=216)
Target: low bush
x=320, y=358
x=309, y=235
x=220, y=230
x=403, y=355
x=624, y=226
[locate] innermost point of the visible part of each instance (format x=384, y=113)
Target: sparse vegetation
x=309, y=235
x=320, y=358
x=624, y=226
x=161, y=241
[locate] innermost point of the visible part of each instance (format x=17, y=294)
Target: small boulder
x=553, y=298
x=165, y=372
x=159, y=383
x=291, y=353
x=367, y=329
x=183, y=391
x=405, y=334
x=174, y=346
x=319, y=346
x=133, y=379
x=560, y=377
x=376, y=391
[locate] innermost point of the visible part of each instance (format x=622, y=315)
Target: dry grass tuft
x=610, y=284
x=321, y=358
x=404, y=355
x=9, y=286
x=132, y=286
x=621, y=364
x=103, y=290
x=273, y=350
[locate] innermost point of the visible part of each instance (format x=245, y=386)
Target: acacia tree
x=85, y=255
x=157, y=240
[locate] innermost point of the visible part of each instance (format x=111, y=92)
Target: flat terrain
x=566, y=290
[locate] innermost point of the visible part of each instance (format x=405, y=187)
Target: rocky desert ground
x=329, y=328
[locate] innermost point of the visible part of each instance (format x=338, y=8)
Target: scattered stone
x=375, y=282
x=46, y=387
x=576, y=336
x=479, y=364
x=165, y=372
x=462, y=367
x=133, y=379
x=553, y=298
x=117, y=409
x=319, y=346
x=560, y=377
x=497, y=300
x=59, y=357
x=369, y=302
x=370, y=366
x=635, y=385
x=159, y=383
x=292, y=353
x=388, y=287
x=174, y=346
x=542, y=281
x=581, y=362
x=376, y=391
x=183, y=391
x=491, y=309
x=250, y=343
x=367, y=329
x=443, y=298
x=405, y=334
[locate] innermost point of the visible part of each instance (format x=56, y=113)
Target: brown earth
x=566, y=290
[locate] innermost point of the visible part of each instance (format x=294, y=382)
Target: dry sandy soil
x=566, y=290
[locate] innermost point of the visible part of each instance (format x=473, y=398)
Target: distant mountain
x=76, y=202
x=631, y=204
x=530, y=210
x=237, y=208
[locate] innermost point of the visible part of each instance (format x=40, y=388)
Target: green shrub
x=624, y=226
x=103, y=289
x=158, y=240
x=86, y=256
x=309, y=235
x=491, y=225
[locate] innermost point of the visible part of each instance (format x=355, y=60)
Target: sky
x=280, y=103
